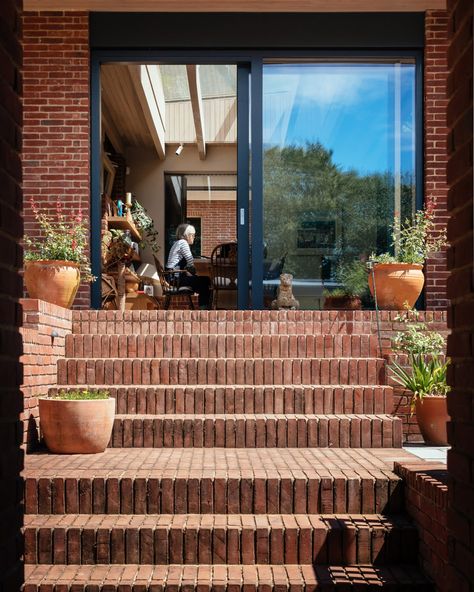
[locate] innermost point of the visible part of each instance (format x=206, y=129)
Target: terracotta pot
x=76, y=427
x=397, y=284
x=342, y=303
x=432, y=416
x=53, y=281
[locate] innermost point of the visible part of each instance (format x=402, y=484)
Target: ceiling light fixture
x=179, y=149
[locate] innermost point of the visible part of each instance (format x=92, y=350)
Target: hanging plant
x=145, y=225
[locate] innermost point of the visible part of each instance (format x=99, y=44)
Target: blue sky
x=349, y=108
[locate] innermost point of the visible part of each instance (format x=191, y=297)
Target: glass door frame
x=249, y=144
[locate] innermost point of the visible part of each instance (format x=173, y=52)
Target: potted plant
x=353, y=279
x=397, y=280
x=424, y=376
x=57, y=261
x=77, y=421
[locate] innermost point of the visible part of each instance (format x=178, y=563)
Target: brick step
x=250, y=322
x=256, y=431
x=234, y=578
x=236, y=371
x=221, y=346
x=233, y=539
x=215, y=481
x=324, y=399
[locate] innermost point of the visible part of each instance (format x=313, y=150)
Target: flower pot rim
x=57, y=261
x=431, y=397
x=400, y=265
x=56, y=399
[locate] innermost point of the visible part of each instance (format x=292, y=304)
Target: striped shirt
x=180, y=255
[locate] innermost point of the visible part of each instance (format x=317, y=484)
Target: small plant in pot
x=396, y=281
x=57, y=261
x=424, y=375
x=352, y=277
x=77, y=421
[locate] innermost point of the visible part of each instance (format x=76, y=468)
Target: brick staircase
x=250, y=451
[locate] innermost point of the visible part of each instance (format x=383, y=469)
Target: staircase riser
x=221, y=346
x=278, y=495
x=229, y=322
x=344, y=432
x=264, y=399
x=321, y=544
x=210, y=371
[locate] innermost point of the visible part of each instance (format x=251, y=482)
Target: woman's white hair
x=184, y=230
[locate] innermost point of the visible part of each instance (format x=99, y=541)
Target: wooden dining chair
x=223, y=270
x=170, y=287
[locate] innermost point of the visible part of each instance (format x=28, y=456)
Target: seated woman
x=180, y=257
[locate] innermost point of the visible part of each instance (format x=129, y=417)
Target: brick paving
x=240, y=459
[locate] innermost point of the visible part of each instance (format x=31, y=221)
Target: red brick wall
x=44, y=328
x=426, y=500
x=11, y=459
x=461, y=293
x=56, y=115
x=218, y=222
x=435, y=149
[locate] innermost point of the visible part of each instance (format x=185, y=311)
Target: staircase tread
x=254, y=415
x=209, y=520
x=220, y=386
x=217, y=575
x=219, y=463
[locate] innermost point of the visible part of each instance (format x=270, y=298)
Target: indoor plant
x=77, y=421
x=399, y=278
x=424, y=376
x=57, y=261
x=353, y=279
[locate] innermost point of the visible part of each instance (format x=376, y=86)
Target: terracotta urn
x=78, y=426
x=342, y=303
x=432, y=416
x=53, y=281
x=397, y=284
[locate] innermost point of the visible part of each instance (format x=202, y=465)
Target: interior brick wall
x=426, y=500
x=218, y=222
x=435, y=147
x=56, y=135
x=461, y=293
x=44, y=329
x=11, y=458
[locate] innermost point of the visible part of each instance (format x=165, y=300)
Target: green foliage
x=145, y=225
x=415, y=239
x=425, y=377
x=416, y=339
x=302, y=183
x=353, y=277
x=63, y=238
x=82, y=395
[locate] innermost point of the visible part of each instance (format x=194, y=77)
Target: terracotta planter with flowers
x=398, y=285
x=56, y=262
x=79, y=425
x=53, y=281
x=399, y=278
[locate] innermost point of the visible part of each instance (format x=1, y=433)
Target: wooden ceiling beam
x=111, y=130
x=144, y=90
x=236, y=5
x=198, y=111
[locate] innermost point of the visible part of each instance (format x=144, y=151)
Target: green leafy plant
x=145, y=225
x=63, y=238
x=425, y=374
x=82, y=395
x=353, y=279
x=414, y=239
x=424, y=378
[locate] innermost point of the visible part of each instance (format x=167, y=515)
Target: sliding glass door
x=338, y=167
